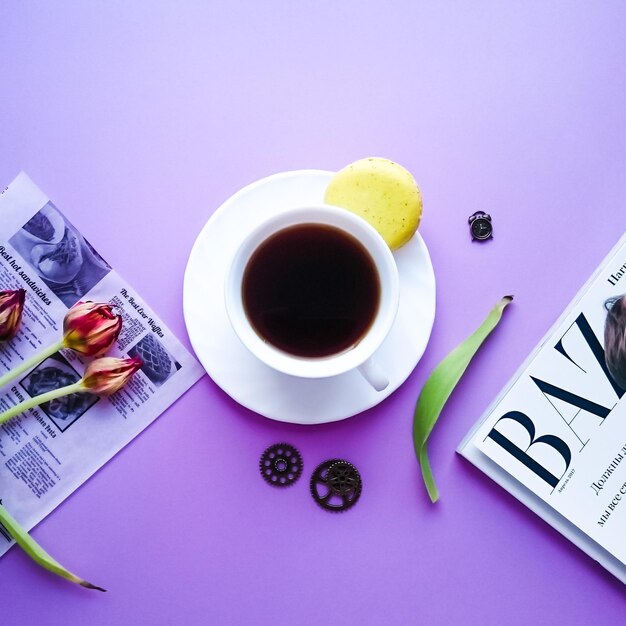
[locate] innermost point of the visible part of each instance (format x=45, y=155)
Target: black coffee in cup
x=311, y=290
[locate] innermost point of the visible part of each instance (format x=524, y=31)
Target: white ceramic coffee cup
x=358, y=356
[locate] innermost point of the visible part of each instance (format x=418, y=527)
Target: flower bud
x=91, y=328
x=107, y=375
x=11, y=307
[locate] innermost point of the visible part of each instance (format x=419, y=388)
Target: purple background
x=139, y=119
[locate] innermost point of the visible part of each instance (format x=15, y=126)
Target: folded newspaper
x=49, y=451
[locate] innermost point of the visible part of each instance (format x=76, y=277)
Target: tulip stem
x=44, y=397
x=37, y=553
x=30, y=363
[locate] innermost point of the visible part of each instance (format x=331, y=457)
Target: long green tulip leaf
x=439, y=387
x=37, y=553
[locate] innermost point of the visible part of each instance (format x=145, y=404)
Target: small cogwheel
x=281, y=465
x=336, y=485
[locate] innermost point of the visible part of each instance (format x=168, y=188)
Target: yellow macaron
x=381, y=192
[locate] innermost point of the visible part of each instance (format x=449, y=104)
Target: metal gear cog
x=281, y=465
x=336, y=485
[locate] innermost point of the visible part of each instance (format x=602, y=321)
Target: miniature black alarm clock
x=481, y=228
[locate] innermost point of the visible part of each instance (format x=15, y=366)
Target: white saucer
x=249, y=381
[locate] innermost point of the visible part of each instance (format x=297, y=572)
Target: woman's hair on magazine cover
x=615, y=338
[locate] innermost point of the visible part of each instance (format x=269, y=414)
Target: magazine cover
x=556, y=435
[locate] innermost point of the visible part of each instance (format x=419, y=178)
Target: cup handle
x=373, y=375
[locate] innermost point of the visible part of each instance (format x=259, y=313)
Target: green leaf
x=36, y=552
x=439, y=387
